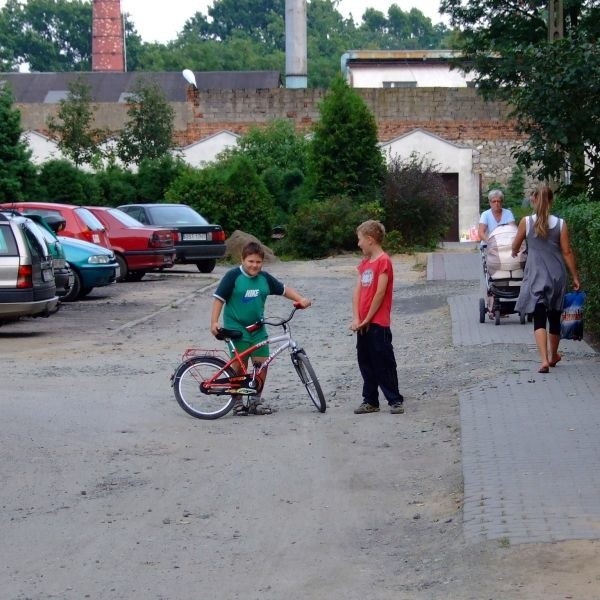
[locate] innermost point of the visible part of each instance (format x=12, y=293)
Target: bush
x=229, y=193
x=416, y=202
x=584, y=229
x=319, y=229
x=117, y=186
x=61, y=181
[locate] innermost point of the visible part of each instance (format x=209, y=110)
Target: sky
x=160, y=22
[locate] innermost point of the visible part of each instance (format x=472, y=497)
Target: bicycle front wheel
x=309, y=380
x=186, y=385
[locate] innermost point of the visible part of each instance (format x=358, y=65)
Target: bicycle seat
x=232, y=334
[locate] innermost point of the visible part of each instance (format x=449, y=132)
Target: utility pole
x=556, y=23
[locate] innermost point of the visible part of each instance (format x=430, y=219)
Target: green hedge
x=584, y=229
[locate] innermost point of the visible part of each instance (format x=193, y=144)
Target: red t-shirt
x=369, y=277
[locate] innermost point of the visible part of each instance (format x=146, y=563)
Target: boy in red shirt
x=371, y=310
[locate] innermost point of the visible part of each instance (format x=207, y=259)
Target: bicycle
x=206, y=379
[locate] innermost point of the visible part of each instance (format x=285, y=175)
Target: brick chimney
x=108, y=41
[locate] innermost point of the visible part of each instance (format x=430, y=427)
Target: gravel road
x=110, y=491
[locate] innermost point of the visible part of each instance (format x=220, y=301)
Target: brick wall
x=458, y=115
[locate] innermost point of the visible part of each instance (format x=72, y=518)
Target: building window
x=399, y=84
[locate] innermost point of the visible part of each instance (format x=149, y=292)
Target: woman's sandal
x=553, y=363
x=543, y=370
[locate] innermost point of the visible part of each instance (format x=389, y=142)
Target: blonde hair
x=543, y=197
x=374, y=229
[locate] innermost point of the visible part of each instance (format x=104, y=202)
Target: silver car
x=27, y=286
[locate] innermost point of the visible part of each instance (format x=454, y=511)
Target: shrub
x=319, y=229
x=584, y=230
x=229, y=193
x=416, y=202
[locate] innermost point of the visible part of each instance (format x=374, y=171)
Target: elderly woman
x=495, y=215
x=545, y=278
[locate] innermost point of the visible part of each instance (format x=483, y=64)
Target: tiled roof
x=37, y=88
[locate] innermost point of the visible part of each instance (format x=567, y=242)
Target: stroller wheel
x=497, y=316
x=482, y=310
x=522, y=318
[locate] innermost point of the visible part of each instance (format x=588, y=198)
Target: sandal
x=260, y=409
x=239, y=409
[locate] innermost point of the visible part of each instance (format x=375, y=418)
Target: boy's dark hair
x=374, y=229
x=253, y=248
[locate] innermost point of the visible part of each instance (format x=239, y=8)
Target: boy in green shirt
x=243, y=291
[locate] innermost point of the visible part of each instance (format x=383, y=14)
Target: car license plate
x=47, y=275
x=194, y=237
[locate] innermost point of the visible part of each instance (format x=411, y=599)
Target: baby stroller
x=503, y=274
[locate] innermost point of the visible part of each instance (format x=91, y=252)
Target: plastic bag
x=571, y=320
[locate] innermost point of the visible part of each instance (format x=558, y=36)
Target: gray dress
x=545, y=275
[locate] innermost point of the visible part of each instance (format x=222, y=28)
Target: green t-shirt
x=245, y=299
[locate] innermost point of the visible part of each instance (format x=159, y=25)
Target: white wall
x=206, y=150
x=424, y=75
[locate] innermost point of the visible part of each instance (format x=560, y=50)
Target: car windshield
x=176, y=215
x=89, y=219
x=124, y=218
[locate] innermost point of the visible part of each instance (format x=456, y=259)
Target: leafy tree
x=77, y=139
x=17, y=172
x=416, y=202
x=506, y=43
x=49, y=35
x=149, y=132
x=344, y=154
x=52, y=36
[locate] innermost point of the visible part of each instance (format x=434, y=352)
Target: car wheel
x=206, y=266
x=85, y=291
x=74, y=290
x=135, y=275
x=122, y=267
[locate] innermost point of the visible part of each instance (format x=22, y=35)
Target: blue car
x=92, y=266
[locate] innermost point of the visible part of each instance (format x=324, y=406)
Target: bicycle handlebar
x=234, y=334
x=270, y=321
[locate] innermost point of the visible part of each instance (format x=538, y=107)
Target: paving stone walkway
x=530, y=442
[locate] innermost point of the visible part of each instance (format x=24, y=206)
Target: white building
x=402, y=68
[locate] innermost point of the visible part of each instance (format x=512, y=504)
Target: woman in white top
x=495, y=215
x=545, y=277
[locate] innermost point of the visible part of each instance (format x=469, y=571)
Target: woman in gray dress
x=545, y=277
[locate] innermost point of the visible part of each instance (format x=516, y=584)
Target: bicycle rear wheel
x=186, y=384
x=309, y=379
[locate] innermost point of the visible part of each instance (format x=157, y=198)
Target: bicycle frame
x=284, y=340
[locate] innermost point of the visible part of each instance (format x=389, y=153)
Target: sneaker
x=397, y=408
x=364, y=408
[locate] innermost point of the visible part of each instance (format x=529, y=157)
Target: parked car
x=138, y=248
x=63, y=276
x=27, y=285
x=80, y=223
x=92, y=265
x=199, y=242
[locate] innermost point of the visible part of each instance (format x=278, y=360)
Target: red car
x=138, y=248
x=80, y=222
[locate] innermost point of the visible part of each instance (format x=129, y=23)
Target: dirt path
x=110, y=491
